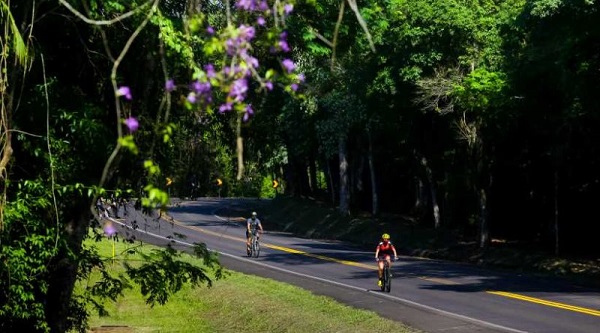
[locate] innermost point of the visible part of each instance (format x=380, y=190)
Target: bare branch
x=113, y=77
x=336, y=32
x=102, y=22
x=361, y=21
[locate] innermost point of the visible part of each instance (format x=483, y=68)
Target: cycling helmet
x=385, y=236
x=253, y=213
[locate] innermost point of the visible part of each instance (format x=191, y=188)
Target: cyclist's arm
x=260, y=226
x=394, y=249
x=377, y=253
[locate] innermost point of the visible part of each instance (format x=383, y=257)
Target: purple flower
x=264, y=6
x=201, y=87
x=288, y=65
x=225, y=107
x=269, y=85
x=246, y=4
x=294, y=86
x=232, y=45
x=109, y=229
x=170, y=85
x=252, y=61
x=191, y=97
x=210, y=71
x=247, y=32
x=247, y=113
x=210, y=30
x=287, y=9
x=124, y=91
x=301, y=77
x=283, y=45
x=132, y=124
x=261, y=21
x=239, y=89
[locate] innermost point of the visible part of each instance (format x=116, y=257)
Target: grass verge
x=238, y=303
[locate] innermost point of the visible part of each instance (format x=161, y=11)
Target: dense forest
x=473, y=115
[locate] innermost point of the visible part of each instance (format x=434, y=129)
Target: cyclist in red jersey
x=383, y=252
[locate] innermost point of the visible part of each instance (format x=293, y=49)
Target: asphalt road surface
x=431, y=295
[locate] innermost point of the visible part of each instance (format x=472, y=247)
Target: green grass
x=238, y=303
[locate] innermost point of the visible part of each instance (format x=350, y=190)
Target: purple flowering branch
x=233, y=73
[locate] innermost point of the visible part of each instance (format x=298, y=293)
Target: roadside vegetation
x=235, y=303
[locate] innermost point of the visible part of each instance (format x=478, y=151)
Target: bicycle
x=254, y=245
x=386, y=277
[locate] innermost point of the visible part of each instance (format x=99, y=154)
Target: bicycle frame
x=254, y=245
x=386, y=277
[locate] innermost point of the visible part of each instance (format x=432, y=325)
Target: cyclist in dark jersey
x=383, y=252
x=252, y=226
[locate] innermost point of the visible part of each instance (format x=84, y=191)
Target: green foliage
x=544, y=8
x=162, y=274
x=267, y=190
x=480, y=89
x=12, y=35
x=28, y=245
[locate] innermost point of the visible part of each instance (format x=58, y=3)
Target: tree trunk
x=374, y=197
x=344, y=207
x=420, y=199
x=63, y=271
x=330, y=181
x=484, y=230
x=432, y=191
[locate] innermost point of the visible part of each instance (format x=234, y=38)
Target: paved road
x=435, y=296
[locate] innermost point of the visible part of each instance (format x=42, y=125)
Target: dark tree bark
x=344, y=207
x=63, y=271
x=432, y=191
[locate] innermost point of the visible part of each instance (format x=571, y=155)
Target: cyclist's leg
x=248, y=235
x=388, y=258
x=380, y=272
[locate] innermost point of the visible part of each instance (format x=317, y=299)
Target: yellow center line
x=373, y=267
x=280, y=248
x=548, y=303
x=339, y=261
x=438, y=280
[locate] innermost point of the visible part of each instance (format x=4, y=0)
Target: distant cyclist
x=383, y=252
x=252, y=226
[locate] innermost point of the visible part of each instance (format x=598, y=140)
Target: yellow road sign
x=275, y=183
x=169, y=181
x=219, y=182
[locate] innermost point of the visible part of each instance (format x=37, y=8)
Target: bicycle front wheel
x=388, y=280
x=256, y=248
x=384, y=279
